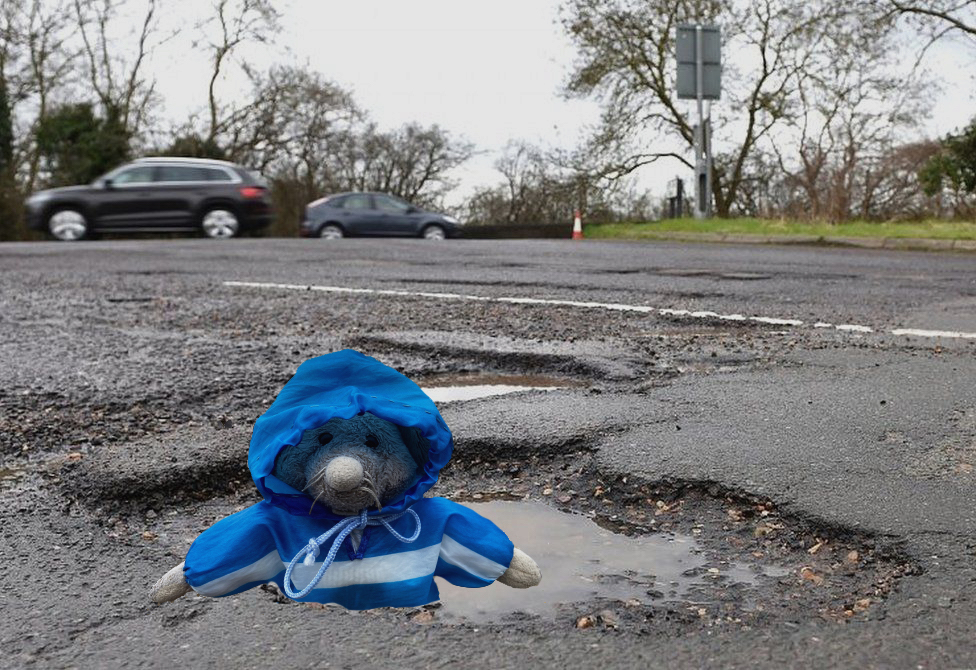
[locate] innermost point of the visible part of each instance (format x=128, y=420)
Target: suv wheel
x=220, y=223
x=68, y=225
x=331, y=232
x=433, y=232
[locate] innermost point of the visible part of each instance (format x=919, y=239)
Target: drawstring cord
x=311, y=550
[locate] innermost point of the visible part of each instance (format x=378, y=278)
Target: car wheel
x=433, y=232
x=220, y=224
x=68, y=225
x=331, y=232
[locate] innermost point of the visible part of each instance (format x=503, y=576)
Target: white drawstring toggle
x=313, y=552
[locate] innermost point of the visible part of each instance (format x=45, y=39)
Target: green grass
x=944, y=230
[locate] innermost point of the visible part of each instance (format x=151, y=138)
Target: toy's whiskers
x=372, y=493
x=370, y=488
x=313, y=503
x=316, y=477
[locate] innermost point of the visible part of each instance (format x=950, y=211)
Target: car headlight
x=451, y=219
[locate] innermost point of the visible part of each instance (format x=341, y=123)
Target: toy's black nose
x=344, y=473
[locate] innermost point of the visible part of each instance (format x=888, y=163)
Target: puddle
x=581, y=561
x=468, y=387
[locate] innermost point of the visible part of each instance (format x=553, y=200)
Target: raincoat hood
x=341, y=385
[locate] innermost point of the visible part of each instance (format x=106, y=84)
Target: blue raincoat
x=255, y=546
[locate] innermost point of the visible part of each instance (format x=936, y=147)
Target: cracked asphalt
x=841, y=461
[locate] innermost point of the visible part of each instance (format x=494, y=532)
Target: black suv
x=373, y=214
x=156, y=195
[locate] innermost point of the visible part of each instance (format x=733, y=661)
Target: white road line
x=934, y=333
x=617, y=307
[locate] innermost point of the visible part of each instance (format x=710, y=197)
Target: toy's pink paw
x=170, y=586
x=522, y=571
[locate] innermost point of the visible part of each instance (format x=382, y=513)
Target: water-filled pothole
x=580, y=561
x=451, y=388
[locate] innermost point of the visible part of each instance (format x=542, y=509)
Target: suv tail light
x=252, y=192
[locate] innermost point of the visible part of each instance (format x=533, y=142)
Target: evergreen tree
x=77, y=146
x=955, y=164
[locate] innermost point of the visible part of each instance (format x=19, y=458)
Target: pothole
x=582, y=562
x=746, y=561
x=451, y=388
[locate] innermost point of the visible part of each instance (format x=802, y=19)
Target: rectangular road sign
x=686, y=50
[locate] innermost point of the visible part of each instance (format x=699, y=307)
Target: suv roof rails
x=178, y=159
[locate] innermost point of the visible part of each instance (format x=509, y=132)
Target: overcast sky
x=487, y=71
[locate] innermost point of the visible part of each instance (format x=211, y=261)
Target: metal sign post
x=699, y=57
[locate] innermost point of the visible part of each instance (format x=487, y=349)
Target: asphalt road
x=810, y=410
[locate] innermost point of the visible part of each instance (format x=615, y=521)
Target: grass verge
x=943, y=230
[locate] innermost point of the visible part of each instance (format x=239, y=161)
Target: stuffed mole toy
x=343, y=458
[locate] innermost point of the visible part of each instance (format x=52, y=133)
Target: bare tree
x=948, y=15
x=851, y=108
x=289, y=129
x=293, y=117
x=51, y=62
x=237, y=22
x=540, y=186
x=413, y=162
x=627, y=61
x=897, y=193
x=119, y=83
x=36, y=63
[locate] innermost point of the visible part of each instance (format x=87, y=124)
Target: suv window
x=213, y=174
x=390, y=204
x=170, y=173
x=357, y=201
x=136, y=175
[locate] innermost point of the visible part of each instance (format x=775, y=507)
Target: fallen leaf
x=817, y=547
x=74, y=456
x=852, y=557
x=587, y=621
x=811, y=576
x=422, y=616
x=149, y=536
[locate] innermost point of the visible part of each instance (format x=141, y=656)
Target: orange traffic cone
x=577, y=226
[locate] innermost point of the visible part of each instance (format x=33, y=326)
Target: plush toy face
x=349, y=464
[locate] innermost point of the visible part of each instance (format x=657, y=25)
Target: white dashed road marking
x=934, y=333
x=615, y=307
